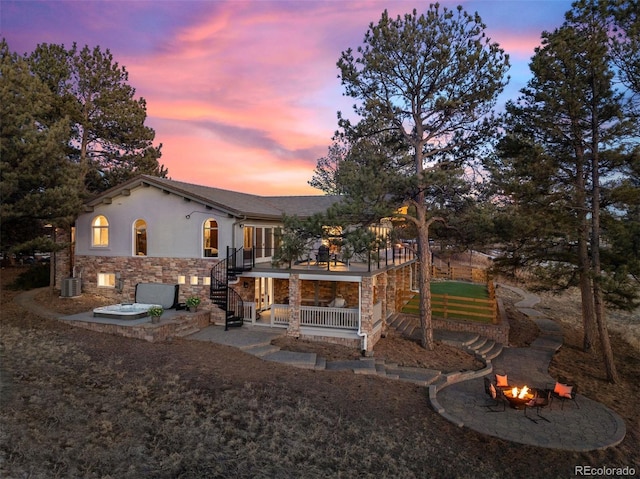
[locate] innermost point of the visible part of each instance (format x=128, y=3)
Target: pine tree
x=429, y=82
x=563, y=141
x=38, y=186
x=107, y=136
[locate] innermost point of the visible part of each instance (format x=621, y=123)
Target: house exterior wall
x=175, y=244
x=169, y=232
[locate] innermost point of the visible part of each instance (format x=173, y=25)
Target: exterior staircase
x=223, y=274
x=484, y=349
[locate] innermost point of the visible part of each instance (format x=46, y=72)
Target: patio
x=592, y=426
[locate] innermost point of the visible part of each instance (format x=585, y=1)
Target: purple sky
x=243, y=95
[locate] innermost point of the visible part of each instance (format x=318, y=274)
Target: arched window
x=140, y=238
x=100, y=231
x=210, y=237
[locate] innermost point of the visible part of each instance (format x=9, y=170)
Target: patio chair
x=496, y=395
x=541, y=399
x=564, y=392
x=323, y=254
x=337, y=302
x=502, y=381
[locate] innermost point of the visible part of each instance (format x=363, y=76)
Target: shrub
x=37, y=276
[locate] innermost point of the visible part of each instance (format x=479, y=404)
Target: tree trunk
x=586, y=295
x=598, y=297
x=424, y=252
x=584, y=261
x=605, y=342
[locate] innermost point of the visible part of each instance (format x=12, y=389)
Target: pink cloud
x=244, y=94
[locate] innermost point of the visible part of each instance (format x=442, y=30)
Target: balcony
x=382, y=258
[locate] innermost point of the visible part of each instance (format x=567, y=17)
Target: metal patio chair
x=496, y=395
x=541, y=399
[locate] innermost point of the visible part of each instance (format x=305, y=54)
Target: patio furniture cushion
x=502, y=381
x=563, y=390
x=337, y=303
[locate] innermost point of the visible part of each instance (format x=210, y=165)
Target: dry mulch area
x=82, y=404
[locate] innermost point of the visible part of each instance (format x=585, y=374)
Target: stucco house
x=218, y=245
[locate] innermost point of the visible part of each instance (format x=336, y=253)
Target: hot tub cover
x=165, y=295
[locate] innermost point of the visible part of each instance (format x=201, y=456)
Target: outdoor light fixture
x=195, y=211
x=182, y=279
x=119, y=283
x=193, y=280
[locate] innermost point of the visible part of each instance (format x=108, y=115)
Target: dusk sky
x=243, y=95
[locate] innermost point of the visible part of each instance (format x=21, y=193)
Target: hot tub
x=123, y=311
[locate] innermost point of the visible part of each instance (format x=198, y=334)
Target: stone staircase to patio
x=484, y=349
x=373, y=366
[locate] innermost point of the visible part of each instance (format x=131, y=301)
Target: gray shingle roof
x=232, y=202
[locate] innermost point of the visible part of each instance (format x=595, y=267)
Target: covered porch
x=347, y=308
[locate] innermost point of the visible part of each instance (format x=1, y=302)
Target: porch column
x=383, y=284
x=295, y=299
x=407, y=294
x=391, y=291
x=366, y=312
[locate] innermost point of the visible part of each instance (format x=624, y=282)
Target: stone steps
x=481, y=347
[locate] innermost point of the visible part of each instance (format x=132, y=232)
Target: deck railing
x=279, y=314
x=249, y=311
x=318, y=316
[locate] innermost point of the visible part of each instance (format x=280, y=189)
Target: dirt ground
x=82, y=404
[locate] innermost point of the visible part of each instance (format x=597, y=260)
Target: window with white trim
x=107, y=280
x=140, y=238
x=100, y=231
x=210, y=238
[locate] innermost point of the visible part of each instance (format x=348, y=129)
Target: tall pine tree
x=107, y=138
x=429, y=81
x=39, y=187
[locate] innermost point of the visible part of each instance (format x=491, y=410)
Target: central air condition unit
x=70, y=287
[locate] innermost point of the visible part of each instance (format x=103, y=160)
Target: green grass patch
x=457, y=288
x=456, y=309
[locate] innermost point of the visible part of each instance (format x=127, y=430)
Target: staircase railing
x=221, y=294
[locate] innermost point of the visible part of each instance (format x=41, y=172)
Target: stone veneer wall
x=280, y=291
x=327, y=290
x=497, y=332
x=143, y=269
x=248, y=293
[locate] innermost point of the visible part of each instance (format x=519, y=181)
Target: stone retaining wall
x=177, y=325
x=497, y=332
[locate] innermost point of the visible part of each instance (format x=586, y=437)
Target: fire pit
x=518, y=397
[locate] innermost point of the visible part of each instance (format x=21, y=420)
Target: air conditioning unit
x=70, y=288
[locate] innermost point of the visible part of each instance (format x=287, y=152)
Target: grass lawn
x=453, y=288
x=458, y=288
